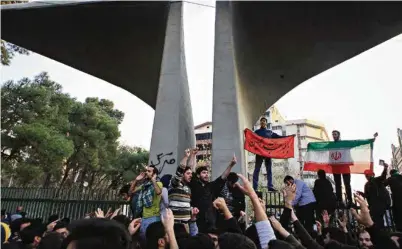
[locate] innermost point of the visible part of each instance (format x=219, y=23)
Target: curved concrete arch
x=265, y=49
x=120, y=42
x=138, y=46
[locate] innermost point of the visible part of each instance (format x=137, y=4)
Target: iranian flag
x=350, y=156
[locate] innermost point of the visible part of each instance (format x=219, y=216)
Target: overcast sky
x=358, y=97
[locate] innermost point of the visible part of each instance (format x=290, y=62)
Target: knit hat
x=5, y=232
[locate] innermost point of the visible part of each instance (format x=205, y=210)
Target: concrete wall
x=226, y=114
x=173, y=129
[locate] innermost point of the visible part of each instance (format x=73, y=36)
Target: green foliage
x=51, y=139
x=8, y=51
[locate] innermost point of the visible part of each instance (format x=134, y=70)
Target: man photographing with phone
x=377, y=195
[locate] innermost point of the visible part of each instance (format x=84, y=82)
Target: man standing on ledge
x=265, y=133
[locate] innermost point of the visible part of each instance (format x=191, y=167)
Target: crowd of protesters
x=188, y=211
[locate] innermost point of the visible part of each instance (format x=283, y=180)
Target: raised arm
x=384, y=172
x=264, y=228
x=134, y=183
x=229, y=168
x=176, y=179
x=193, y=158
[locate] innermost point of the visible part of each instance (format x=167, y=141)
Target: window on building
x=203, y=136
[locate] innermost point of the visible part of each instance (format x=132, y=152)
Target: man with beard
x=203, y=192
x=179, y=189
x=377, y=195
x=234, y=198
x=149, y=197
x=365, y=240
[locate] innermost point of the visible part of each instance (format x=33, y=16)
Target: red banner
x=279, y=148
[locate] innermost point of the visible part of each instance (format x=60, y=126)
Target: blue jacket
x=264, y=132
x=304, y=195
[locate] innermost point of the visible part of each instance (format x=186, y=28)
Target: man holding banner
x=266, y=144
x=341, y=158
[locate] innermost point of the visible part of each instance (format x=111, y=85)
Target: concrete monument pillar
x=227, y=128
x=173, y=128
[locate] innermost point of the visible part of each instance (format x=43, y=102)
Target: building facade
x=396, y=162
x=203, y=140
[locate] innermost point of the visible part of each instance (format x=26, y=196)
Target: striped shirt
x=179, y=196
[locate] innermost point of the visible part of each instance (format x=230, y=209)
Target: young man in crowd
x=234, y=198
x=203, y=192
x=395, y=183
x=265, y=133
x=365, y=240
x=336, y=135
x=179, y=190
x=324, y=193
x=304, y=203
x=161, y=235
x=377, y=195
x=149, y=197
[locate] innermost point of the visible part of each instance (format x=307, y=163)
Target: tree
x=128, y=163
x=94, y=131
x=34, y=123
x=50, y=139
x=8, y=50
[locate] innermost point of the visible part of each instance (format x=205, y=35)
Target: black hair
x=200, y=241
x=52, y=218
x=287, y=178
x=279, y=244
x=232, y=177
x=3, y=212
x=321, y=174
x=201, y=169
x=165, y=180
x=335, y=234
x=156, y=171
x=122, y=219
x=60, y=224
x=336, y=131
x=29, y=233
x=52, y=240
x=235, y=241
x=264, y=118
x=124, y=189
x=180, y=231
x=154, y=232
x=251, y=233
x=98, y=233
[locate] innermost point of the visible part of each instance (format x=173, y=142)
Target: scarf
x=146, y=196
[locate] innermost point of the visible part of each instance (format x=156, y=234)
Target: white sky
x=359, y=97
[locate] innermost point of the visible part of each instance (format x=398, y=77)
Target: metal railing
x=73, y=202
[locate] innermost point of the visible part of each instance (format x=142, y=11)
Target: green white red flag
x=349, y=156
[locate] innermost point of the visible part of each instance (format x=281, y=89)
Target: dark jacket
x=202, y=196
x=395, y=183
x=375, y=192
x=380, y=238
x=238, y=202
x=324, y=195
